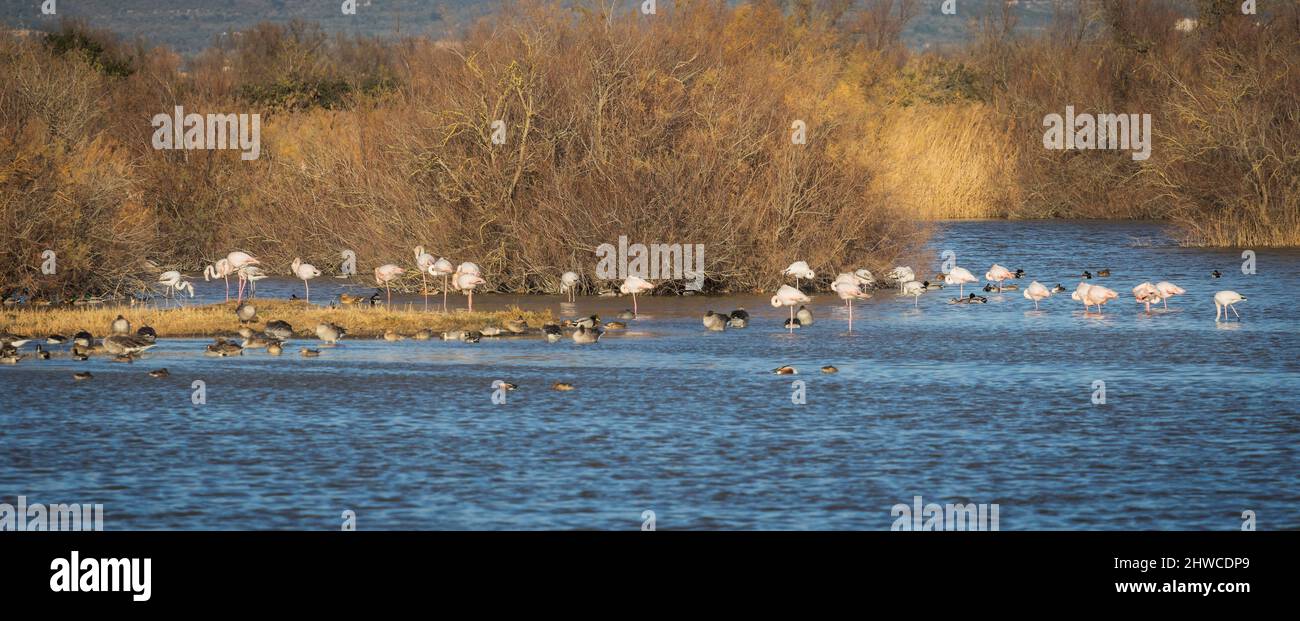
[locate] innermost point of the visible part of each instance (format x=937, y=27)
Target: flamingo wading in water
x=1168, y=290
x=569, y=285
x=385, y=274
x=466, y=281
x=997, y=274
x=960, y=276
x=442, y=267
x=1036, y=292
x=174, y=283
x=1224, y=300
x=849, y=288
x=635, y=285
x=306, y=272
x=423, y=262
x=789, y=296
x=1146, y=293
x=800, y=269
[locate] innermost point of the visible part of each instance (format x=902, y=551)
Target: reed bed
x=219, y=319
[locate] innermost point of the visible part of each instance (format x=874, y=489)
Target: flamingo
x=901, y=275
x=1146, y=293
x=997, y=274
x=849, y=288
x=864, y=277
x=914, y=289
x=1168, y=290
x=1224, y=300
x=424, y=261
x=441, y=267
x=569, y=285
x=252, y=274
x=1093, y=295
x=238, y=261
x=384, y=274
x=466, y=281
x=959, y=276
x=789, y=296
x=635, y=285
x=305, y=271
x=220, y=269
x=799, y=269
x=174, y=283
x=1036, y=291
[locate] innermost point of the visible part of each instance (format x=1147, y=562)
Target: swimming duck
x=309, y=353
x=258, y=342
x=423, y=334
x=56, y=339
x=1058, y=288
x=587, y=322
x=1216, y=274
x=454, y=335
x=159, y=373
x=491, y=331
x=350, y=299
x=278, y=330
x=715, y=322
x=473, y=336
x=804, y=316
x=11, y=357
x=931, y=286
x=553, y=332
x=515, y=326
x=223, y=348
x=147, y=333
x=392, y=336
x=8, y=339
x=1086, y=275
x=126, y=344
x=1104, y=273
x=82, y=375
x=830, y=369
x=785, y=370
x=562, y=386
x=990, y=287
x=584, y=335
x=41, y=354
x=121, y=325
x=274, y=348
x=615, y=325
x=1018, y=274
x=791, y=323
x=79, y=356
x=627, y=315
x=83, y=339
x=504, y=385
x=739, y=318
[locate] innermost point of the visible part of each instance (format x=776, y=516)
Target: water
x=985, y=404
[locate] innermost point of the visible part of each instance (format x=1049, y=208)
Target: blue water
x=985, y=404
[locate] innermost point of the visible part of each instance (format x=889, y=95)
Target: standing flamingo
x=635, y=285
x=1146, y=293
x=997, y=274
x=1093, y=295
x=799, y=269
x=174, y=284
x=220, y=269
x=306, y=272
x=252, y=274
x=789, y=296
x=569, y=285
x=849, y=288
x=901, y=275
x=442, y=267
x=238, y=261
x=960, y=276
x=1224, y=300
x=1036, y=291
x=466, y=281
x=424, y=261
x=385, y=274
x=1168, y=290
x=914, y=289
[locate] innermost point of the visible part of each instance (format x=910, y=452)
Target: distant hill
x=191, y=25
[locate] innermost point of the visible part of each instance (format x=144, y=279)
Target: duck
x=56, y=339
x=739, y=318
x=274, y=348
x=490, y=331
x=246, y=332
x=931, y=286
x=453, y=335
x=246, y=313
x=82, y=339
x=584, y=335
x=82, y=375
x=552, y=332
x=8, y=339
x=830, y=369
x=121, y=325
x=515, y=326
x=785, y=370
x=715, y=322
x=804, y=316
x=1103, y=273
x=127, y=358
x=392, y=337
x=223, y=348
x=562, y=386
x=11, y=357
x=79, y=356
x=1086, y=275
x=615, y=325
x=309, y=353
x=160, y=373
x=990, y=288
x=423, y=334
x=350, y=299
x=1018, y=274
x=330, y=332
x=587, y=322
x=147, y=333
x=258, y=342
x=473, y=336
x=1058, y=288
x=504, y=385
x=126, y=344
x=279, y=330
x=627, y=315
x=41, y=354
x=791, y=323
x=1216, y=274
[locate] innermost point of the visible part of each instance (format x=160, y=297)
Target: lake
x=987, y=403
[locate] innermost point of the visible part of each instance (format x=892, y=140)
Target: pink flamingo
x=849, y=288
x=1036, y=292
x=305, y=271
x=635, y=285
x=1224, y=300
x=220, y=269
x=1093, y=295
x=800, y=269
x=423, y=261
x=997, y=274
x=442, y=267
x=569, y=285
x=466, y=281
x=385, y=274
x=1146, y=293
x=238, y=261
x=1168, y=290
x=789, y=296
x=960, y=276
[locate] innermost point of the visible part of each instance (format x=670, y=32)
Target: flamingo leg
x=308, y=287
x=227, y=278
x=634, y=309
x=390, y=294
x=791, y=324
x=471, y=300
x=850, y=301
x=425, y=285
x=1234, y=310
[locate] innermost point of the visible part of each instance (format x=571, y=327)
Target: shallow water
x=986, y=404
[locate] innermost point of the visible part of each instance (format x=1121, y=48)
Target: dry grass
x=219, y=319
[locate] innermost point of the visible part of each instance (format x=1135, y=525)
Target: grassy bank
x=219, y=319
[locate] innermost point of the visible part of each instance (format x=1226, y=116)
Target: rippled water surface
x=985, y=403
